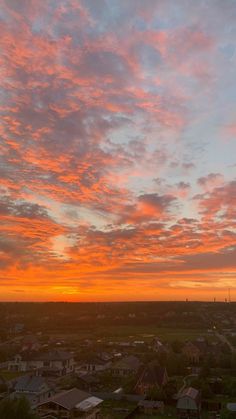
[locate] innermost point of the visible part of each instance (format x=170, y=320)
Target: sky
x=117, y=150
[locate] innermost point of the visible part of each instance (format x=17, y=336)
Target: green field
x=146, y=333
x=105, y=334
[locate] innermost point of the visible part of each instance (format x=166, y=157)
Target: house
x=151, y=376
x=158, y=346
x=106, y=356
x=124, y=344
x=55, y=362
x=19, y=363
x=139, y=343
x=231, y=407
x=33, y=387
x=189, y=404
x=203, y=347
x=70, y=404
x=30, y=343
x=151, y=407
x=192, y=352
x=126, y=366
x=96, y=363
x=88, y=382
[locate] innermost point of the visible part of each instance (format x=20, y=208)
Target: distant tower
x=214, y=299
x=229, y=292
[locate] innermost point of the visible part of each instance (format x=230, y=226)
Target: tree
x=16, y=409
x=205, y=371
x=225, y=361
x=177, y=346
x=170, y=389
x=3, y=356
x=162, y=358
x=3, y=387
x=176, y=364
x=202, y=385
x=156, y=393
x=226, y=414
x=206, y=390
x=229, y=386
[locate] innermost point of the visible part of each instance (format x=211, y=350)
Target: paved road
x=224, y=339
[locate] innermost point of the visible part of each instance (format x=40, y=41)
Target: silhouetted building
x=151, y=376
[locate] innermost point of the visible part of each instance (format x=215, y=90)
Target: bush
x=16, y=409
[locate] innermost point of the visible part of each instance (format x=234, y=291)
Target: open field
x=146, y=333
x=131, y=333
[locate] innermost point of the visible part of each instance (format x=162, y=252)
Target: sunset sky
x=118, y=150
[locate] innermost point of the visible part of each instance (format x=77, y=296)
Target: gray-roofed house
x=126, y=366
x=88, y=382
x=30, y=343
x=33, y=387
x=231, y=407
x=96, y=363
x=158, y=346
x=189, y=404
x=70, y=404
x=55, y=362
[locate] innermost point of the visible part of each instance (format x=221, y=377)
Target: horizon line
x=115, y=301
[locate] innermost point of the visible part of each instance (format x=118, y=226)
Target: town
x=119, y=360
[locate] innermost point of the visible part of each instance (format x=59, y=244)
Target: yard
x=112, y=409
x=170, y=412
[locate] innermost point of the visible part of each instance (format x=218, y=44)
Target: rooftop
x=231, y=407
x=55, y=355
x=74, y=398
x=190, y=392
x=29, y=383
x=129, y=362
x=152, y=374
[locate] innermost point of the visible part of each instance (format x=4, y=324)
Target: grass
x=134, y=332
x=110, y=409
x=146, y=333
x=169, y=412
